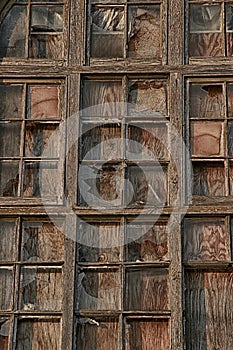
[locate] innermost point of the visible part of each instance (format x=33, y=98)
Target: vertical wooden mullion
x=22, y=137
x=176, y=33
x=164, y=31
x=223, y=28
x=28, y=29
x=229, y=238
x=124, y=138
x=125, y=39
x=225, y=136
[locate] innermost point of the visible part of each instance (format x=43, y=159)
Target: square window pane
x=147, y=289
x=206, y=101
x=42, y=140
x=4, y=333
x=10, y=134
x=205, y=240
x=108, y=28
x=147, y=97
x=46, y=19
x=6, y=290
x=147, y=242
x=207, y=139
x=148, y=334
x=43, y=241
x=11, y=97
x=101, y=142
x=48, y=46
x=208, y=179
x=98, y=289
x=13, y=32
x=38, y=334
x=44, y=102
x=8, y=240
x=101, y=242
x=146, y=186
x=144, y=36
x=205, y=31
x=9, y=179
x=97, y=333
x=41, y=289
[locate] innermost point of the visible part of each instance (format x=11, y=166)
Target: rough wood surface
x=6, y=282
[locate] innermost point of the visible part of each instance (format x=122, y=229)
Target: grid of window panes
x=33, y=29
x=210, y=137
x=210, y=29
x=30, y=149
x=31, y=265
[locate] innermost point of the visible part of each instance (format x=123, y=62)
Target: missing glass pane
x=6, y=283
x=208, y=179
x=11, y=97
x=8, y=239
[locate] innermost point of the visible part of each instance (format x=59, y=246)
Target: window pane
x=206, y=101
x=13, y=32
x=42, y=140
x=41, y=289
x=147, y=97
x=230, y=100
x=107, y=32
x=147, y=289
x=46, y=19
x=207, y=139
x=4, y=333
x=229, y=29
x=43, y=241
x=102, y=242
x=144, y=31
x=6, y=289
x=205, y=240
x=10, y=134
x=97, y=333
x=148, y=334
x=205, y=31
x=231, y=178
x=152, y=244
x=208, y=179
x=209, y=298
x=44, y=102
x=8, y=240
x=11, y=97
x=9, y=179
x=48, y=46
x=38, y=334
x=230, y=138
x=98, y=289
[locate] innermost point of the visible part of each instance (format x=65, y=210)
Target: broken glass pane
x=11, y=97
x=9, y=179
x=44, y=102
x=107, y=28
x=144, y=36
x=208, y=179
x=10, y=139
x=13, y=32
x=207, y=139
x=46, y=19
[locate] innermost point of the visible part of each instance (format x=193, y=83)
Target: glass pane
x=42, y=140
x=206, y=101
x=146, y=185
x=144, y=35
x=6, y=280
x=148, y=334
x=207, y=139
x=102, y=240
x=231, y=178
x=43, y=241
x=100, y=97
x=209, y=298
x=208, y=179
x=11, y=97
x=8, y=240
x=10, y=134
x=152, y=244
x=41, y=289
x=98, y=289
x=38, y=334
x=48, y=46
x=147, y=97
x=108, y=28
x=42, y=179
x=9, y=179
x=97, y=333
x=147, y=289
x=13, y=32
x=148, y=140
x=205, y=240
x=230, y=100
x=4, y=333
x=44, y=102
x=230, y=138
x=46, y=19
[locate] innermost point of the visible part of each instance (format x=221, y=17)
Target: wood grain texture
x=38, y=334
x=147, y=289
x=6, y=279
x=208, y=305
x=205, y=240
x=11, y=96
x=44, y=102
x=97, y=333
x=208, y=179
x=10, y=139
x=205, y=45
x=9, y=179
x=46, y=46
x=8, y=239
x=4, y=332
x=207, y=139
x=147, y=334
